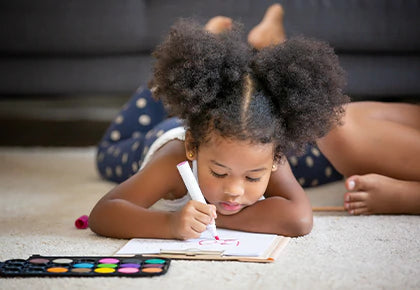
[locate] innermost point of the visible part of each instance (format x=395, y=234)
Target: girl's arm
x=124, y=213
x=286, y=210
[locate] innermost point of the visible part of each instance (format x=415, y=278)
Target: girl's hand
x=192, y=220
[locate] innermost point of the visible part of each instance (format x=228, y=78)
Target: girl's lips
x=230, y=206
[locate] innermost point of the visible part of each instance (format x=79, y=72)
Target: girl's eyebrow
x=228, y=168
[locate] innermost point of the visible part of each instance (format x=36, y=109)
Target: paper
x=231, y=243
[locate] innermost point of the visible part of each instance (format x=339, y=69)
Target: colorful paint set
x=68, y=266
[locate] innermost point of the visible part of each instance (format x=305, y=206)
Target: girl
x=242, y=111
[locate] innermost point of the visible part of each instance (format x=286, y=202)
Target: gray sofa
x=64, y=48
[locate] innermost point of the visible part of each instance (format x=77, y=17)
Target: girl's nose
x=234, y=188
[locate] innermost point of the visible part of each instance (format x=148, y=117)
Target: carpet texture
x=43, y=191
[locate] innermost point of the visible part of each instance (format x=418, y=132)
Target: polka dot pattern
x=328, y=171
x=160, y=133
x=309, y=161
x=293, y=160
x=314, y=182
x=116, y=152
x=100, y=157
x=118, y=170
x=124, y=158
x=315, y=152
x=141, y=103
x=121, y=149
x=144, y=120
x=115, y=135
x=119, y=119
x=134, y=166
x=301, y=181
x=135, y=146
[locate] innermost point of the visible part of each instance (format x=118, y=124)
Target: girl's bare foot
x=378, y=194
x=218, y=24
x=270, y=30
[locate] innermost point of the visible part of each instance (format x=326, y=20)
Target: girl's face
x=233, y=174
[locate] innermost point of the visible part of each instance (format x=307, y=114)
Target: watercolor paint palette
x=94, y=266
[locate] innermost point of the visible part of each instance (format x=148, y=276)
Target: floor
x=44, y=190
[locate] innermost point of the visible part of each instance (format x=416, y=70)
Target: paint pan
x=76, y=266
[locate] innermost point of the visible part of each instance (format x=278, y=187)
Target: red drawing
x=223, y=242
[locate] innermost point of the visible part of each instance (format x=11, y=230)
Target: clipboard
x=270, y=256
x=260, y=248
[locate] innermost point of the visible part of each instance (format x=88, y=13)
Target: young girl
x=236, y=113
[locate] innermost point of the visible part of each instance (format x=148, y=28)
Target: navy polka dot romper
x=142, y=120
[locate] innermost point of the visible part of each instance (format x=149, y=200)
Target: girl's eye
x=217, y=175
x=253, y=179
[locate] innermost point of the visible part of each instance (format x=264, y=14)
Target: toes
x=359, y=211
x=356, y=208
x=355, y=202
x=355, y=196
x=354, y=205
x=365, y=182
x=353, y=183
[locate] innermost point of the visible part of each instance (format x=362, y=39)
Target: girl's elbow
x=95, y=223
x=301, y=224
x=304, y=226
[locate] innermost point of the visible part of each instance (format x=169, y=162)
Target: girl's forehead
x=216, y=142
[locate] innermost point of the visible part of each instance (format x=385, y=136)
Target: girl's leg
x=382, y=138
x=379, y=148
x=121, y=148
x=312, y=168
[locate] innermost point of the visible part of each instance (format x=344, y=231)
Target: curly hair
x=289, y=94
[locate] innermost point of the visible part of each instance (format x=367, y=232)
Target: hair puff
x=305, y=81
x=194, y=67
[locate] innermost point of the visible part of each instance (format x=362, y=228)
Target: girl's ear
x=189, y=148
x=274, y=167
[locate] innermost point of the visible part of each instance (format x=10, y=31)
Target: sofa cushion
x=348, y=25
x=131, y=26
x=373, y=76
x=73, y=27
x=357, y=25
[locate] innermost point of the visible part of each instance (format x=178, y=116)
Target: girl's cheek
x=259, y=192
x=210, y=191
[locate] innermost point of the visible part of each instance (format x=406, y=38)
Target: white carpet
x=43, y=191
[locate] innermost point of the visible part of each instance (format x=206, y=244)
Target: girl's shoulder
x=172, y=150
x=167, y=157
x=161, y=171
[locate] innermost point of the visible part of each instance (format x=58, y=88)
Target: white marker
x=194, y=190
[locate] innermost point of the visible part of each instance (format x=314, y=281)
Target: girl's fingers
x=207, y=210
